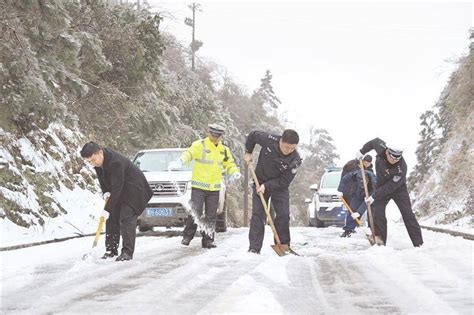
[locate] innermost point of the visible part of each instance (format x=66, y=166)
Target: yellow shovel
x=97, y=233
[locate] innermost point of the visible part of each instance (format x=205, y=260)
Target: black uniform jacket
x=274, y=170
x=125, y=182
x=390, y=177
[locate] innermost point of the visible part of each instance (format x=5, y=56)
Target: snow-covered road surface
x=333, y=276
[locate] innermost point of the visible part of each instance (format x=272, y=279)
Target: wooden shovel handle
x=366, y=190
x=265, y=207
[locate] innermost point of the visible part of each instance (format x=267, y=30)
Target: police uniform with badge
x=391, y=184
x=276, y=171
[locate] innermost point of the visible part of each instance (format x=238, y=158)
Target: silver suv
x=170, y=204
x=325, y=207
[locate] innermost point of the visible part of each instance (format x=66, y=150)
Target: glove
x=340, y=194
x=369, y=200
x=355, y=215
x=175, y=165
x=105, y=214
x=106, y=195
x=235, y=176
x=359, y=155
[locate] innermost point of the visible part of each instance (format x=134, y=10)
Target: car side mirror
x=307, y=200
x=314, y=187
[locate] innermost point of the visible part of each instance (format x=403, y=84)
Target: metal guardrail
x=57, y=240
x=450, y=232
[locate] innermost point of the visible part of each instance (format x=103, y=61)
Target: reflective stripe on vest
x=203, y=159
x=205, y=185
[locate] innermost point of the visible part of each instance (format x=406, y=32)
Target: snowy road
x=334, y=276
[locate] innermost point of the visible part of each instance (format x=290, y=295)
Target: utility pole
x=195, y=44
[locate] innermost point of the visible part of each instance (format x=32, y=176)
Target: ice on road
x=333, y=276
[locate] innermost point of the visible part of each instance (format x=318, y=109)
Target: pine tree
x=267, y=96
x=428, y=146
x=318, y=154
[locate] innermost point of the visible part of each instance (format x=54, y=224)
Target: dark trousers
x=357, y=204
x=281, y=205
x=402, y=200
x=122, y=221
x=200, y=199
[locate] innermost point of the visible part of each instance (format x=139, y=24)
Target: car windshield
x=331, y=180
x=158, y=161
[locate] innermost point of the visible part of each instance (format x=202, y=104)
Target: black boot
x=208, y=243
x=123, y=257
x=254, y=251
x=186, y=241
x=347, y=233
x=110, y=254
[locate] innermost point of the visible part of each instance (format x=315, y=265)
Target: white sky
x=359, y=70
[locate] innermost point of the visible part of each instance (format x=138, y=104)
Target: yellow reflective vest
x=210, y=161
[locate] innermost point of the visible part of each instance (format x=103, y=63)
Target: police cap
x=216, y=129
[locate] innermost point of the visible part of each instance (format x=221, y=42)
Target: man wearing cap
x=351, y=188
x=278, y=162
x=391, y=171
x=210, y=158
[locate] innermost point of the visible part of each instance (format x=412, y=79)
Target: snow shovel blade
x=370, y=239
x=277, y=248
x=285, y=249
x=96, y=238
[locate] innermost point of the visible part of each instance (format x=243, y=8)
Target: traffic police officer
x=210, y=158
x=391, y=171
x=277, y=165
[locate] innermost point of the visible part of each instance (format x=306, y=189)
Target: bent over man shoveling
x=128, y=192
x=277, y=165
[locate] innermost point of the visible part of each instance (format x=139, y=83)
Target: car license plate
x=159, y=212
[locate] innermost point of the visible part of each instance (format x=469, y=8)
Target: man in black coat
x=128, y=193
x=391, y=171
x=277, y=165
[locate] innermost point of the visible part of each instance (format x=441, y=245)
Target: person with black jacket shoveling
x=391, y=170
x=349, y=167
x=277, y=165
x=128, y=192
x=351, y=188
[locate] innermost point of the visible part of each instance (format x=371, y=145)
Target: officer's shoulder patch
x=396, y=178
x=272, y=137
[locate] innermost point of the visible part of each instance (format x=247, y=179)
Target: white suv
x=170, y=203
x=325, y=206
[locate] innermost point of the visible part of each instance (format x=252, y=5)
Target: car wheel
x=319, y=223
x=144, y=228
x=221, y=221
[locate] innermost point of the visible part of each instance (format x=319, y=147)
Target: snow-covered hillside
x=443, y=179
x=47, y=191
